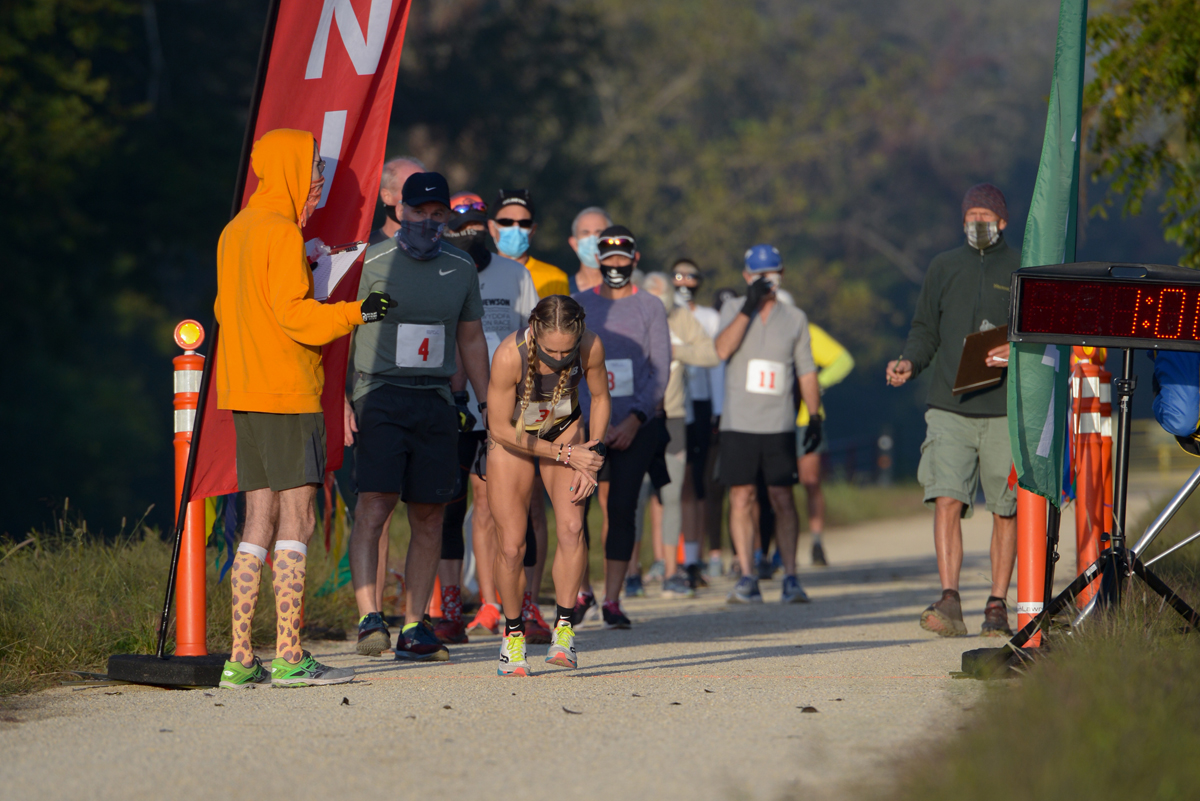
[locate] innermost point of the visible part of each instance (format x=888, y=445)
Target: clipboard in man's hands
x=973, y=370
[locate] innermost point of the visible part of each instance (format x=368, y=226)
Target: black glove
x=466, y=420
x=756, y=293
x=376, y=306
x=812, y=434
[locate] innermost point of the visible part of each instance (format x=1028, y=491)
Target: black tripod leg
x=1052, y=524
x=1161, y=589
x=1059, y=602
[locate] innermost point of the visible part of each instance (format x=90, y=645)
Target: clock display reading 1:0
x=1072, y=307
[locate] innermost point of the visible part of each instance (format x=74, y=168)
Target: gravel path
x=699, y=701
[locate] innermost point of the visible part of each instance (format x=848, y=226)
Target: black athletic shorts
x=407, y=443
x=745, y=456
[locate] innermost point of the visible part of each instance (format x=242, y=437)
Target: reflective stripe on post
x=190, y=591
x=1091, y=446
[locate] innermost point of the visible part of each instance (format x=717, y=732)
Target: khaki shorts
x=960, y=453
x=280, y=451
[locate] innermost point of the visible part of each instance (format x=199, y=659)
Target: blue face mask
x=588, y=252
x=421, y=240
x=513, y=241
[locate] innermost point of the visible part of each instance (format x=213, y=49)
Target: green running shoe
x=308, y=672
x=236, y=676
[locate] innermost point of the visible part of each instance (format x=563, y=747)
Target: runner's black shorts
x=745, y=456
x=407, y=443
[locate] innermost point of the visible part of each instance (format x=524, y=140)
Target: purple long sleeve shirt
x=637, y=351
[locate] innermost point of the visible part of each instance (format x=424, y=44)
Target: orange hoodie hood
x=282, y=160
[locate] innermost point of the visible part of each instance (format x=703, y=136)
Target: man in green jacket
x=966, y=443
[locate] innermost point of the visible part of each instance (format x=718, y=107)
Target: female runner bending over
x=534, y=419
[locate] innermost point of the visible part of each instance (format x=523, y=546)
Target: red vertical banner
x=332, y=71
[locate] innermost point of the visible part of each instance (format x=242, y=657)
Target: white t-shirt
x=701, y=382
x=508, y=299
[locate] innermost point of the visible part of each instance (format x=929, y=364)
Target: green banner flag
x=1037, y=386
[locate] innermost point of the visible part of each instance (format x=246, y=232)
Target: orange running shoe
x=487, y=621
x=450, y=632
x=536, y=630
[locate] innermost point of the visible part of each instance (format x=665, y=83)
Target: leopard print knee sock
x=247, y=570
x=288, y=582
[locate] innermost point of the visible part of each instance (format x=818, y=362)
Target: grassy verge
x=1111, y=712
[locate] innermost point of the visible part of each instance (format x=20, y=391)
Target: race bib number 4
x=620, y=377
x=764, y=377
x=420, y=345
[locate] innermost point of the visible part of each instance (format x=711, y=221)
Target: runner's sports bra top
x=566, y=412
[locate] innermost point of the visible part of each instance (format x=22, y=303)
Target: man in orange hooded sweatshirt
x=269, y=373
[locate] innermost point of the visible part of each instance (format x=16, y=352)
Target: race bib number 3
x=537, y=413
x=620, y=377
x=420, y=345
x=764, y=377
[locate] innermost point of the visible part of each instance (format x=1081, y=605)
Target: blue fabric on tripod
x=1177, y=392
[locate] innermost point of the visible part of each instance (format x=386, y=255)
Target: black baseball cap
x=616, y=240
x=510, y=197
x=425, y=187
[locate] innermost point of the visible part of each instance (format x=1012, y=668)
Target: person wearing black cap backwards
x=633, y=328
x=966, y=444
x=407, y=421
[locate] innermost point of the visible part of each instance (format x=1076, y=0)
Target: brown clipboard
x=973, y=371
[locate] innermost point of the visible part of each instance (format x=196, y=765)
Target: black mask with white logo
x=473, y=242
x=617, y=277
x=557, y=365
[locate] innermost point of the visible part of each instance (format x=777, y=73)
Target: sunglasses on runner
x=685, y=276
x=463, y=208
x=506, y=222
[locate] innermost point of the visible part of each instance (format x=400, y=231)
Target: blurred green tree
x=1145, y=103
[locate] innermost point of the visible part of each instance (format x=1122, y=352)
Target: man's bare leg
x=424, y=553
x=787, y=525
x=381, y=574
x=1004, y=553
x=372, y=510
x=741, y=525
x=947, y=541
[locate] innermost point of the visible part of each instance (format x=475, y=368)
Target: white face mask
x=774, y=279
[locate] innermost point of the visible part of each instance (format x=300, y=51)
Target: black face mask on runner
x=617, y=277
x=558, y=365
x=474, y=243
x=390, y=211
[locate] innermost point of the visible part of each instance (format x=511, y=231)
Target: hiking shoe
x=745, y=592
x=695, y=576
x=236, y=676
x=583, y=602
x=512, y=656
x=308, y=672
x=818, y=555
x=536, y=630
x=764, y=568
x=793, y=593
x=677, y=587
x=944, y=617
x=452, y=632
x=634, y=588
x=562, y=650
x=486, y=621
x=716, y=568
x=995, y=620
x=373, y=635
x=614, y=618
x=657, y=571
x=418, y=644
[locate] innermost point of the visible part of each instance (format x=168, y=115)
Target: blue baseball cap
x=763, y=259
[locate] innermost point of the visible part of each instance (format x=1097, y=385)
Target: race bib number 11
x=764, y=377
x=420, y=345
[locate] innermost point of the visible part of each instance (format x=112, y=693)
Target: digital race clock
x=1107, y=305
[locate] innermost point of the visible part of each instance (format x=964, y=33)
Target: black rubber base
x=174, y=671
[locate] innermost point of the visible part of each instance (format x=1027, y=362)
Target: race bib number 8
x=620, y=377
x=764, y=377
x=420, y=345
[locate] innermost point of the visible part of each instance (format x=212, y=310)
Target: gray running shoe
x=677, y=586
x=745, y=592
x=716, y=568
x=657, y=571
x=793, y=593
x=307, y=673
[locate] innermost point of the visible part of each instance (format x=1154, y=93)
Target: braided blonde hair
x=554, y=313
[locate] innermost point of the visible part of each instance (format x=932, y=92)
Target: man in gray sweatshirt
x=632, y=325
x=965, y=290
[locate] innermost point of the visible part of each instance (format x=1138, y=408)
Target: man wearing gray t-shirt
x=765, y=344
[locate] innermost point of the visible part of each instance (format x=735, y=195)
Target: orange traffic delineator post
x=1091, y=444
x=1031, y=559
x=434, y=608
x=190, y=590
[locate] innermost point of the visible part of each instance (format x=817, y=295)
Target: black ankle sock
x=512, y=625
x=992, y=599
x=564, y=614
